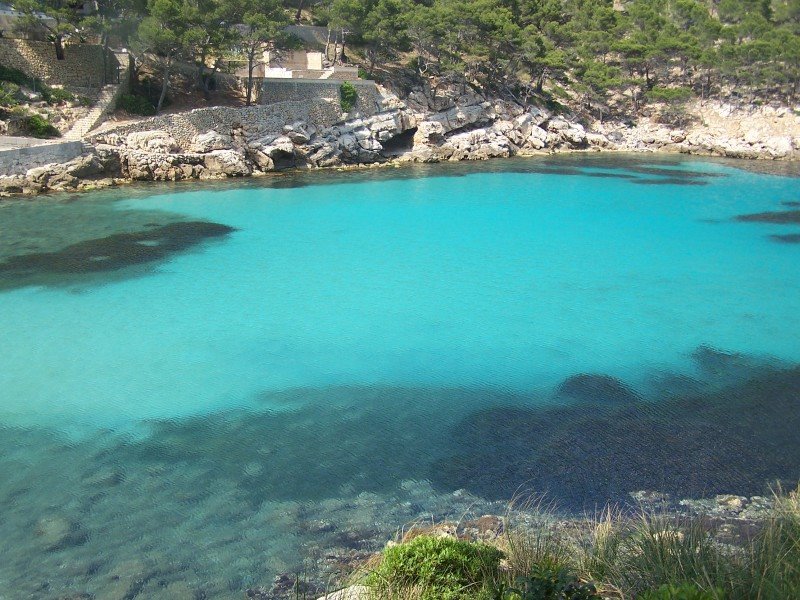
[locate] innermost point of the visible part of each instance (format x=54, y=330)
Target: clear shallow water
x=361, y=345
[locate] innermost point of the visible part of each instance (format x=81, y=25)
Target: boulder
x=210, y=141
x=354, y=592
x=460, y=116
x=537, y=138
x=575, y=135
x=261, y=160
x=325, y=154
x=85, y=166
x=280, y=145
x=226, y=162
x=152, y=141
x=12, y=184
x=778, y=146
x=429, y=132
x=557, y=124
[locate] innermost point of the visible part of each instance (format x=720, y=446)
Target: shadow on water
x=781, y=217
x=254, y=489
x=670, y=181
x=609, y=441
x=789, y=238
x=733, y=428
x=77, y=262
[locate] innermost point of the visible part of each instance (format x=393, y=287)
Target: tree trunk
x=105, y=55
x=299, y=14
x=373, y=59
x=58, y=42
x=250, y=66
x=164, y=85
x=207, y=82
x=328, y=45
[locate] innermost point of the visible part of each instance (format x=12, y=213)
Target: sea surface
x=205, y=387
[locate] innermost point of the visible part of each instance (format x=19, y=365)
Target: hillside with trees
x=598, y=56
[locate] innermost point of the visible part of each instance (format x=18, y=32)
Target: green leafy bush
x=8, y=94
x=674, y=113
x=49, y=94
x=436, y=568
x=39, y=127
x=14, y=76
x=290, y=41
x=549, y=582
x=671, y=95
x=686, y=591
x=58, y=96
x=136, y=105
x=348, y=96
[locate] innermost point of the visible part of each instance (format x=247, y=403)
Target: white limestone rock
x=227, y=162
x=210, y=141
x=152, y=141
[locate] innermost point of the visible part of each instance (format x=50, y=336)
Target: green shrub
x=550, y=582
x=39, y=127
x=362, y=73
x=291, y=41
x=58, y=95
x=348, y=96
x=14, y=76
x=136, y=105
x=49, y=94
x=672, y=95
x=436, y=568
x=685, y=591
x=8, y=94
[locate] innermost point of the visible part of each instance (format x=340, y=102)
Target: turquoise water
x=351, y=349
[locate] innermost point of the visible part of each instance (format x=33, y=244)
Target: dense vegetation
x=607, y=54
x=13, y=98
x=649, y=557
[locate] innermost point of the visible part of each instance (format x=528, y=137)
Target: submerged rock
x=590, y=387
x=55, y=533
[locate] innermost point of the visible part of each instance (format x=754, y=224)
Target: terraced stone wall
x=82, y=66
x=253, y=121
x=275, y=90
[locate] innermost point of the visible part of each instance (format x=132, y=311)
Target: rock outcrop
x=466, y=127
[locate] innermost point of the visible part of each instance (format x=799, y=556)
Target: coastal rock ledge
x=255, y=142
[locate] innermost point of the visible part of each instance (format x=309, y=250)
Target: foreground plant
x=435, y=568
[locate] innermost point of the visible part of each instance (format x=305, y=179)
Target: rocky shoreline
x=256, y=142
x=731, y=520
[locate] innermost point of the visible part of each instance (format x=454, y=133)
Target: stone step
x=93, y=118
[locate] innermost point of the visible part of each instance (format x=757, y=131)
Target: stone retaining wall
x=255, y=121
x=280, y=90
x=82, y=65
x=17, y=161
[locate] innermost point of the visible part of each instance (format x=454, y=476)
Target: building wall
x=16, y=161
x=82, y=65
